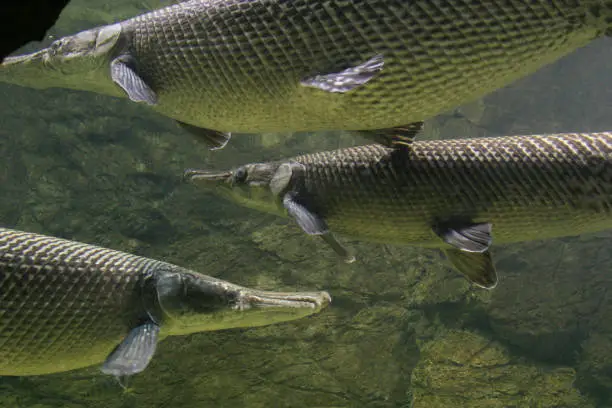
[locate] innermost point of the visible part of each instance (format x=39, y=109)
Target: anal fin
x=394, y=137
x=214, y=139
x=134, y=86
x=477, y=267
x=134, y=353
x=348, y=79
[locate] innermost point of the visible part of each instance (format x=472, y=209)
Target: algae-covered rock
x=549, y=294
x=465, y=369
x=595, y=356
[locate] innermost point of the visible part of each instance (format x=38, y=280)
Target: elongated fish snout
x=194, y=302
x=207, y=177
x=311, y=302
x=16, y=60
x=25, y=69
x=255, y=308
x=80, y=61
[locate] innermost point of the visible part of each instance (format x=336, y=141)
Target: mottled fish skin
x=66, y=305
x=252, y=66
x=457, y=195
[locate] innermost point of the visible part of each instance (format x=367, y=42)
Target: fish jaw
x=262, y=308
x=218, y=182
x=79, y=62
x=250, y=185
x=192, y=302
x=208, y=178
x=28, y=70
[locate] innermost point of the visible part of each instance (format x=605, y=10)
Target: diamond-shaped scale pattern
x=63, y=304
x=528, y=187
x=236, y=65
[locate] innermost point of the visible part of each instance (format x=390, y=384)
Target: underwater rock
x=549, y=293
x=595, y=357
x=465, y=369
x=595, y=366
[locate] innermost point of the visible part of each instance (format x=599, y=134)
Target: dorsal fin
x=394, y=137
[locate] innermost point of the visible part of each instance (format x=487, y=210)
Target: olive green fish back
x=236, y=65
x=528, y=187
x=63, y=304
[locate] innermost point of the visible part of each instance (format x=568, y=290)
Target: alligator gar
x=450, y=194
x=66, y=305
x=375, y=66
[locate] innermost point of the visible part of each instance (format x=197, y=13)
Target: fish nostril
x=56, y=46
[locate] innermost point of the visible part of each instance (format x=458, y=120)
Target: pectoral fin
x=338, y=248
x=465, y=236
x=347, y=79
x=313, y=224
x=134, y=353
x=136, y=88
x=477, y=267
x=214, y=139
x=394, y=137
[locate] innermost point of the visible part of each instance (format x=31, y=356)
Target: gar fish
x=375, y=66
x=66, y=305
x=449, y=194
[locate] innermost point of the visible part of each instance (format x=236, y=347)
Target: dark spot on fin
x=476, y=266
x=213, y=138
x=134, y=353
x=310, y=222
x=394, y=137
x=466, y=237
x=124, y=75
x=348, y=79
x=338, y=248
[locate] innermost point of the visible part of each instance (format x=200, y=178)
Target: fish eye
x=240, y=175
x=56, y=45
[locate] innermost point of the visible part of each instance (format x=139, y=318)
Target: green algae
x=485, y=374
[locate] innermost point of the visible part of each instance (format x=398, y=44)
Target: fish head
x=252, y=185
x=192, y=302
x=80, y=61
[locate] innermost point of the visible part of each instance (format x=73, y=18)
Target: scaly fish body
x=66, y=305
x=449, y=194
x=272, y=65
x=240, y=63
x=528, y=187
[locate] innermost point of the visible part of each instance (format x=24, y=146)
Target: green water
x=404, y=330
